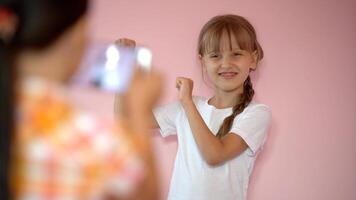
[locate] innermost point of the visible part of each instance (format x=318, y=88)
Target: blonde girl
x=218, y=137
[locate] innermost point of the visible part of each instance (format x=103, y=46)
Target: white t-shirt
x=193, y=178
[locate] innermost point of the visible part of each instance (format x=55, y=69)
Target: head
x=30, y=31
x=228, y=50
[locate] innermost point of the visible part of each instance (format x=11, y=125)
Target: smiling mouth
x=227, y=75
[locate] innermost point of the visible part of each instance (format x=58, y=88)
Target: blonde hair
x=245, y=35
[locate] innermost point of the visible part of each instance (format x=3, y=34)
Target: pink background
x=308, y=78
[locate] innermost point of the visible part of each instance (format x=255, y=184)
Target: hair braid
x=244, y=100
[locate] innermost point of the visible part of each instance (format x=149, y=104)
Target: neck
x=223, y=99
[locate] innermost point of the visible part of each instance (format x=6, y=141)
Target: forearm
x=120, y=111
x=209, y=145
x=148, y=120
x=140, y=127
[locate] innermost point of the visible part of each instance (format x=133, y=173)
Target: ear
x=201, y=60
x=8, y=24
x=254, y=61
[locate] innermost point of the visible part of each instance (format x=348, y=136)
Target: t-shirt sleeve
x=253, y=126
x=166, y=117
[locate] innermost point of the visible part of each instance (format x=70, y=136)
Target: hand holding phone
x=115, y=67
x=125, y=42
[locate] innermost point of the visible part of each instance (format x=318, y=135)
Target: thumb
x=178, y=83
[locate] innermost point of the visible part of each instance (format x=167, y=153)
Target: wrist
x=188, y=102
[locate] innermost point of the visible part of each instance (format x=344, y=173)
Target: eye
x=237, y=54
x=214, y=55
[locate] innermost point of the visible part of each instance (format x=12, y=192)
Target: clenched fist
x=185, y=89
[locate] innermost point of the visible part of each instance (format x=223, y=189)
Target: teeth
x=227, y=74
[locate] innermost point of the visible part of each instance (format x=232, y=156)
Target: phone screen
x=114, y=66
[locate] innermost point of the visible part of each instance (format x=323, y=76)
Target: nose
x=226, y=62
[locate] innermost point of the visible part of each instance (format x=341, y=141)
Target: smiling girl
x=219, y=137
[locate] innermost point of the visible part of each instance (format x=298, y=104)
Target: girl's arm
x=215, y=151
x=148, y=189
x=136, y=105
x=119, y=105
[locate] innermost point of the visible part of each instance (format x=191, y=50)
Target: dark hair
x=40, y=23
x=243, y=31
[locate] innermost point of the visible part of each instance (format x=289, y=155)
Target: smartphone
x=114, y=66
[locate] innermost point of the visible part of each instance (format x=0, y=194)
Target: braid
x=245, y=99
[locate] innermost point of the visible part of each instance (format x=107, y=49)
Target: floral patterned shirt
x=65, y=153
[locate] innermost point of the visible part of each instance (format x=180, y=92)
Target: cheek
x=75, y=57
x=81, y=43
x=81, y=49
x=246, y=65
x=211, y=66
x=245, y=72
x=210, y=70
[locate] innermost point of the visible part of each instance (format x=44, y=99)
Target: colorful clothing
x=65, y=153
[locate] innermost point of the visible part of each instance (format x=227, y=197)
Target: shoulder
x=258, y=110
x=172, y=106
x=176, y=105
x=258, y=106
x=168, y=111
x=199, y=100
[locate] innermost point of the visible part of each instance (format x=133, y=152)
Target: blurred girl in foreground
x=49, y=148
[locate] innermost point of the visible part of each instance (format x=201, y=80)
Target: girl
x=218, y=138
x=57, y=150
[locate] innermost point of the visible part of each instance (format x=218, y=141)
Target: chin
x=227, y=89
x=231, y=88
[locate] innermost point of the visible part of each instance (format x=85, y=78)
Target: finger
x=179, y=81
x=129, y=42
x=125, y=42
x=178, y=84
x=118, y=41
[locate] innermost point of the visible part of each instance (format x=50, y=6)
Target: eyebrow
x=218, y=51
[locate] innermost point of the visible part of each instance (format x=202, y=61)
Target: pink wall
x=308, y=78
